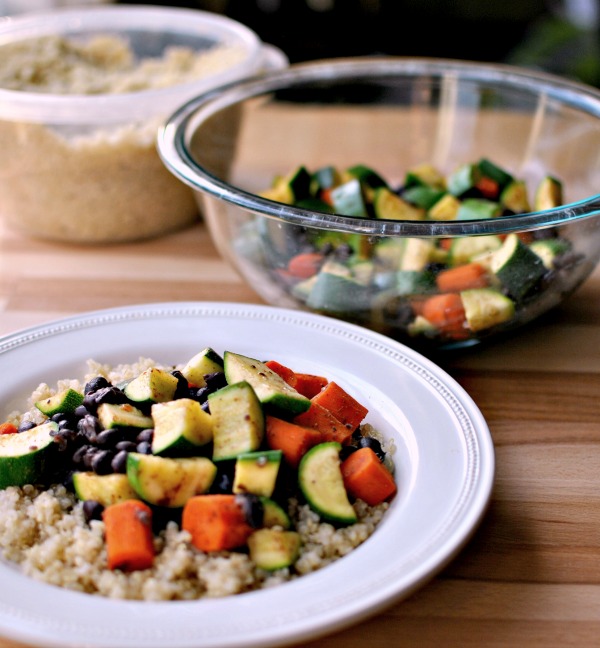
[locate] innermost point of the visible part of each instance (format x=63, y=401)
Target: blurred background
x=560, y=36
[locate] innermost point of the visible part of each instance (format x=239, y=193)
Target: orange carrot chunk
x=282, y=371
x=445, y=312
x=309, y=385
x=344, y=407
x=463, y=277
x=128, y=534
x=305, y=264
x=8, y=428
x=489, y=188
x=321, y=419
x=216, y=522
x=293, y=440
x=366, y=478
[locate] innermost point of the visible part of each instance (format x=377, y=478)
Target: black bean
x=88, y=456
x=80, y=411
x=346, y=451
x=109, y=438
x=144, y=447
x=101, y=462
x=206, y=407
x=89, y=426
x=67, y=422
x=92, y=510
x=58, y=417
x=145, y=435
x=79, y=454
x=119, y=462
x=199, y=394
x=370, y=442
x=26, y=425
x=128, y=446
x=112, y=395
x=95, y=384
x=215, y=380
x=252, y=507
x=182, y=389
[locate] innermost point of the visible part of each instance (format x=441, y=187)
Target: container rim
x=75, y=109
x=173, y=137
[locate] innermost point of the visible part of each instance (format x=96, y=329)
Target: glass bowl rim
x=173, y=135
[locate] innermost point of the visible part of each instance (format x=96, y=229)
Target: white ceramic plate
x=444, y=459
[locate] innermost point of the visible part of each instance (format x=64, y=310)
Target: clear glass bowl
x=78, y=162
x=392, y=114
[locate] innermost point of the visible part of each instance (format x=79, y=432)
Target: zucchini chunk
x=486, y=307
x=238, y=420
x=517, y=267
x=66, y=402
x=152, y=386
x=169, y=482
x=272, y=391
x=123, y=415
x=256, y=472
x=180, y=427
x=106, y=489
x=273, y=549
x=203, y=363
x=322, y=484
x=24, y=456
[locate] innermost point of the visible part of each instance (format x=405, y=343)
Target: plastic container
x=83, y=167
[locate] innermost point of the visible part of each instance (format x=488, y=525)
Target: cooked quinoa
x=45, y=532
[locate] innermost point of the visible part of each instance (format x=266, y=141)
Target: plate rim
x=478, y=495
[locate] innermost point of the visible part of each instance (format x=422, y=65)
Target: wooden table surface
x=530, y=576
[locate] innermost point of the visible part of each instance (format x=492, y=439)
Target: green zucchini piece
x=274, y=515
x=299, y=183
x=123, y=416
x=407, y=282
x=463, y=179
x=321, y=482
x=445, y=209
x=486, y=307
x=549, y=249
x=516, y=266
x=25, y=456
x=465, y=248
x=477, y=208
x=169, y=482
x=424, y=175
x=387, y=204
x=273, y=549
x=106, y=489
x=153, y=385
x=270, y=389
x=205, y=362
x=549, y=194
x=514, y=197
x=494, y=172
x=348, y=199
x=180, y=427
x=366, y=176
x=65, y=401
x=238, y=420
x=333, y=293
x=423, y=196
x=416, y=254
x=256, y=472
x=325, y=178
